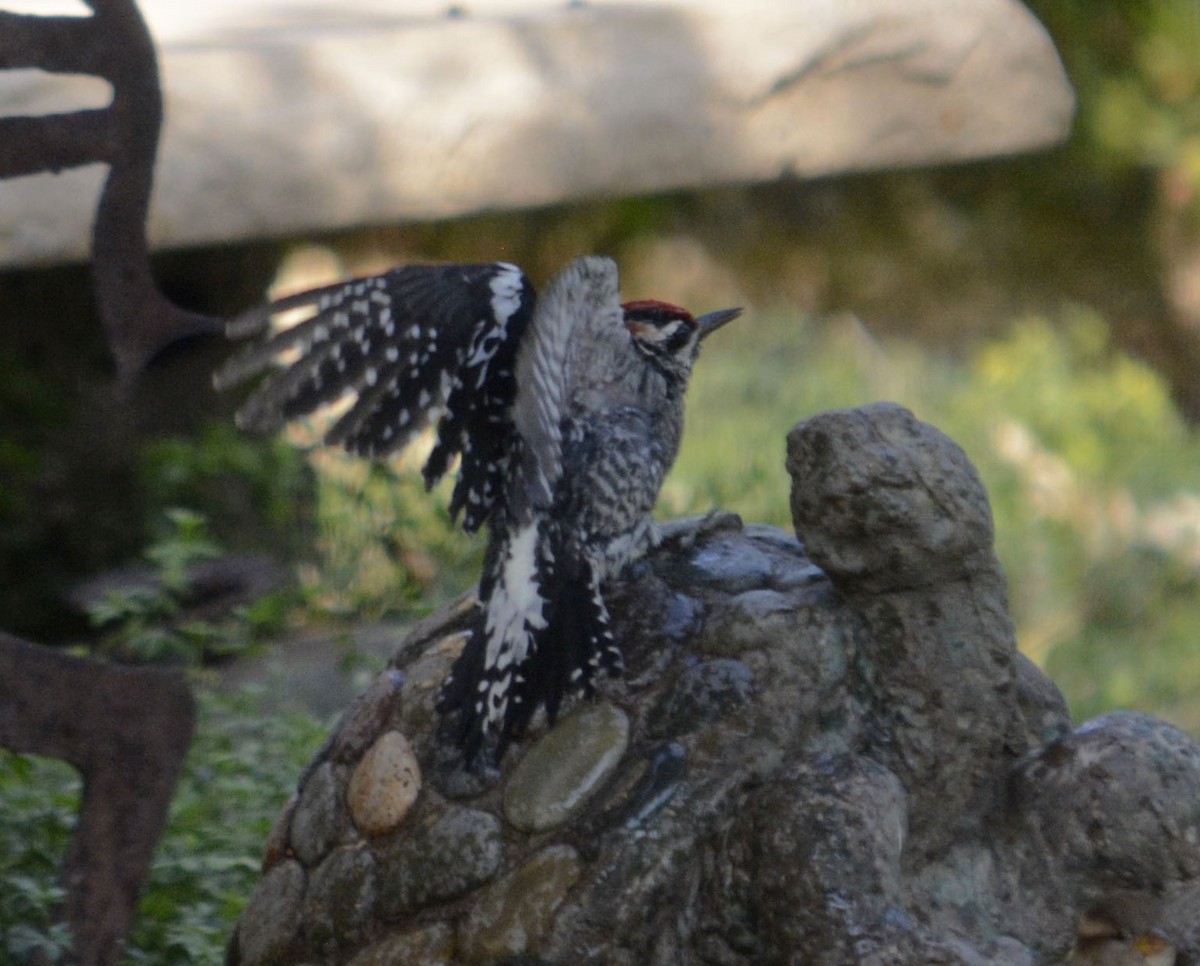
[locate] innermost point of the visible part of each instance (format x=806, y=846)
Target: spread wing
x=544, y=626
x=581, y=308
x=415, y=344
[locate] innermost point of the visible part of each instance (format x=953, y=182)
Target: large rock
x=384, y=112
x=843, y=766
x=894, y=512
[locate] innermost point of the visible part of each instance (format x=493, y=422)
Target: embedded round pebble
x=272, y=915
x=316, y=822
x=447, y=857
x=384, y=785
x=340, y=898
x=749, y=621
x=705, y=692
x=1121, y=795
x=732, y=565
x=366, y=717
x=275, y=849
x=510, y=915
x=682, y=617
x=643, y=787
x=431, y=945
x=554, y=779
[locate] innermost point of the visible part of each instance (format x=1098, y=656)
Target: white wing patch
x=515, y=610
x=506, y=285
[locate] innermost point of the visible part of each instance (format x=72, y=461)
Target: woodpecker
x=565, y=411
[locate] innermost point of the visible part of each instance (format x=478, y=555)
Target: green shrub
x=385, y=547
x=253, y=492
x=38, y=801
x=148, y=623
x=239, y=772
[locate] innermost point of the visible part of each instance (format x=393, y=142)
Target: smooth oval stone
x=449, y=856
x=384, y=785
x=275, y=849
x=366, y=718
x=554, y=779
x=317, y=821
x=340, y=899
x=732, y=565
x=704, y=693
x=272, y=915
x=431, y=945
x=509, y=916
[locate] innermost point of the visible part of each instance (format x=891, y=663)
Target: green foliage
x=254, y=491
x=73, y=504
x=148, y=623
x=237, y=776
x=1136, y=67
x=38, y=801
x=1093, y=477
x=239, y=773
x=385, y=545
x=1147, y=111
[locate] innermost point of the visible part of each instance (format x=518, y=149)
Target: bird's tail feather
x=545, y=602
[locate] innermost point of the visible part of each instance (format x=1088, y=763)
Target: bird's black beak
x=708, y=324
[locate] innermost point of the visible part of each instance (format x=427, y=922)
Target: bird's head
x=670, y=336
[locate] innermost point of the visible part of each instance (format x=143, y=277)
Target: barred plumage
x=411, y=343
x=566, y=415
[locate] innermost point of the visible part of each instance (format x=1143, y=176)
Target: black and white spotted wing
x=544, y=626
x=415, y=343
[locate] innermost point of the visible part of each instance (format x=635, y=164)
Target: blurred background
x=1044, y=311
